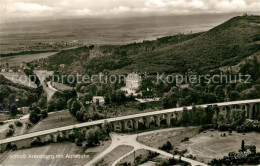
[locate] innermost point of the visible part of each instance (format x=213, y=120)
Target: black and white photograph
x=129, y=82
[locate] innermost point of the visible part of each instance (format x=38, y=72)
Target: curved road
x=47, y=88
x=130, y=140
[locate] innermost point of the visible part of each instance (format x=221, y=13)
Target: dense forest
x=15, y=95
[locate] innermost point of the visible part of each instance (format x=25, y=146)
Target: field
x=175, y=136
x=94, y=151
x=20, y=78
x=52, y=149
x=54, y=120
x=210, y=145
x=115, y=154
x=142, y=154
x=61, y=87
x=204, y=146
x=19, y=59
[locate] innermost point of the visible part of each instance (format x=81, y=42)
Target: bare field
x=210, y=145
x=54, y=120
x=130, y=158
x=142, y=153
x=60, y=86
x=94, y=151
x=115, y=154
x=175, y=136
x=19, y=78
x=52, y=149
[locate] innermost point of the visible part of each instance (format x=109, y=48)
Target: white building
x=133, y=81
x=99, y=98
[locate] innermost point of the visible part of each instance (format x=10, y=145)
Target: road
x=98, y=122
x=48, y=90
x=21, y=118
x=130, y=140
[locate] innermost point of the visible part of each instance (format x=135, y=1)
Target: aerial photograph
x=129, y=82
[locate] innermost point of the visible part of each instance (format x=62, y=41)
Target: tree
x=107, y=127
x=12, y=98
x=107, y=99
x=91, y=47
x=34, y=117
x=219, y=91
x=209, y=98
x=165, y=102
x=209, y=113
x=51, y=106
x=18, y=123
x=75, y=107
x=93, y=136
x=80, y=116
x=233, y=95
x=120, y=96
x=88, y=97
x=44, y=114
x=60, y=104
x=69, y=103
x=42, y=101
x=243, y=146
x=185, y=117
x=166, y=147
x=13, y=109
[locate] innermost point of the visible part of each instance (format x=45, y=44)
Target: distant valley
x=19, y=36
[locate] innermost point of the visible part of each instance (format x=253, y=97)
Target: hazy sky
x=33, y=9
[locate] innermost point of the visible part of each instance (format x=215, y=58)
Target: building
x=99, y=98
x=24, y=110
x=62, y=66
x=133, y=81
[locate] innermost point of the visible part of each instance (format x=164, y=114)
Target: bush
x=9, y=133
x=11, y=126
x=166, y=147
x=36, y=142
x=78, y=142
x=152, y=155
x=223, y=127
x=61, y=137
x=18, y=124
x=10, y=146
x=185, y=139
